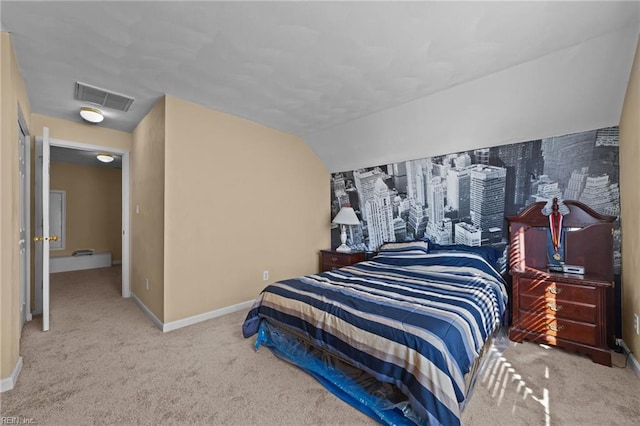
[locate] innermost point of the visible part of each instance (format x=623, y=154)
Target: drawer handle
x=334, y=259
x=554, y=307
x=554, y=290
x=554, y=327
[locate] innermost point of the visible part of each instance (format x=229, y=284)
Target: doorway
x=41, y=290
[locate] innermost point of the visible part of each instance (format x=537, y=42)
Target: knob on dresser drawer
x=554, y=290
x=554, y=307
x=554, y=327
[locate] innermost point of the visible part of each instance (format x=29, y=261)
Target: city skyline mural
x=464, y=197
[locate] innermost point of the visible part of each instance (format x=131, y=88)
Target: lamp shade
x=346, y=216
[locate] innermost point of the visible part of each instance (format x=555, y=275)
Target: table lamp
x=346, y=216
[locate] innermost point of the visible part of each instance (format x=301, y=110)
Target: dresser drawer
x=555, y=327
x=333, y=260
x=328, y=266
x=559, y=307
x=559, y=290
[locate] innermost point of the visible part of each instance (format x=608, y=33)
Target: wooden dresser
x=565, y=310
x=331, y=259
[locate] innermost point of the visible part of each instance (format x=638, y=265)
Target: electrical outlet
x=265, y=275
x=636, y=323
x=146, y=283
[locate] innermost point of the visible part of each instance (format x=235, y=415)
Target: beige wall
x=80, y=132
x=93, y=208
x=240, y=198
x=147, y=192
x=12, y=94
x=630, y=206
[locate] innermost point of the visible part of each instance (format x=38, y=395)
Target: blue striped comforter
x=410, y=318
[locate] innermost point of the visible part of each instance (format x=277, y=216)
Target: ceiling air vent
x=96, y=95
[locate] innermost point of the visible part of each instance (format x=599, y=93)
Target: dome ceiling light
x=105, y=158
x=92, y=115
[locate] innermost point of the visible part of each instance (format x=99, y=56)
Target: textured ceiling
x=299, y=67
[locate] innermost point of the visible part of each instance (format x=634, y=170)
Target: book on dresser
x=571, y=310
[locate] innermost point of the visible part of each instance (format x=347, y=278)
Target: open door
x=42, y=237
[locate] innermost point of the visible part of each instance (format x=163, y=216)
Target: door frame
x=126, y=225
x=25, y=200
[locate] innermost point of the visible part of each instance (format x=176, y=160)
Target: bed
x=399, y=336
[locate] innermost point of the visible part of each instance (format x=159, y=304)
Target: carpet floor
x=104, y=362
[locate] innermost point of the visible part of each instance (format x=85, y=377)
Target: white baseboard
x=9, y=383
x=147, y=311
x=174, y=325
x=635, y=365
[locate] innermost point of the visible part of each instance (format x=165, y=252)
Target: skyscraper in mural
x=458, y=191
x=518, y=161
x=564, y=154
x=400, y=177
x=436, y=201
x=365, y=181
x=481, y=156
x=487, y=199
x=544, y=188
x=576, y=184
x=416, y=222
x=597, y=193
x=468, y=234
x=605, y=154
x=340, y=191
x=378, y=216
x=436, y=229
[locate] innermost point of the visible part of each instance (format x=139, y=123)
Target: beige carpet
x=104, y=362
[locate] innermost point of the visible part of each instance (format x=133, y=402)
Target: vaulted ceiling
x=300, y=67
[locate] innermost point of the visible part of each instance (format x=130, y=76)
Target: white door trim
x=25, y=276
x=126, y=231
x=126, y=250
x=44, y=243
x=37, y=309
